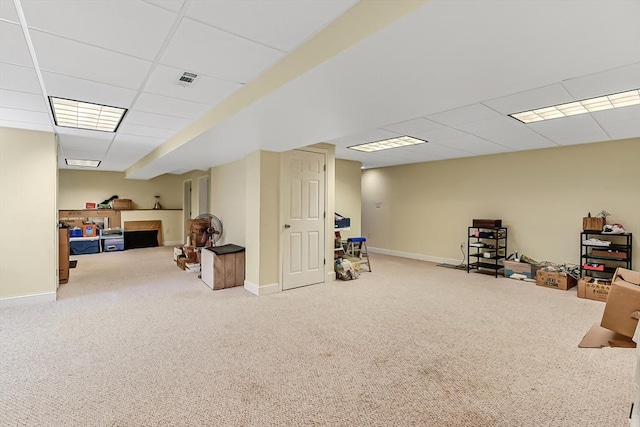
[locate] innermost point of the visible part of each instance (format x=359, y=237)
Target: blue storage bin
x=84, y=246
x=111, y=245
x=76, y=232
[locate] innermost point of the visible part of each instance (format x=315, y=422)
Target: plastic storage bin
x=84, y=246
x=112, y=245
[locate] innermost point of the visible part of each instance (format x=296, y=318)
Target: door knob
x=287, y=226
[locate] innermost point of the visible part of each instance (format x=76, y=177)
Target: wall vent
x=186, y=79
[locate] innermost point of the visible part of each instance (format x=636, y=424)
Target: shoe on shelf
x=596, y=242
x=613, y=229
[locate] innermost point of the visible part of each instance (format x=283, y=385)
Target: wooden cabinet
x=63, y=255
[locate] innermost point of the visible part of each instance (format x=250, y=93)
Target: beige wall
x=79, y=186
x=262, y=219
x=540, y=195
x=227, y=200
x=348, y=194
x=28, y=212
x=252, y=217
x=269, y=217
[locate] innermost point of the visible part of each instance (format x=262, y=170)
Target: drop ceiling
x=448, y=72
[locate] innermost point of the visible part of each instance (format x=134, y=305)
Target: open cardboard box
x=617, y=325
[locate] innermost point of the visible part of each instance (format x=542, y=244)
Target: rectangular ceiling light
x=86, y=115
x=83, y=163
x=401, y=141
x=590, y=105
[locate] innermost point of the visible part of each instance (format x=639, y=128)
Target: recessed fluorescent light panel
x=386, y=144
x=86, y=115
x=83, y=163
x=617, y=100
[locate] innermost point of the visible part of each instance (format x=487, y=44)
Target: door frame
x=281, y=219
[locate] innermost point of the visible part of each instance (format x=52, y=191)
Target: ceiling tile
x=159, y=104
x=203, y=49
x=612, y=81
x=22, y=101
x=133, y=141
x=570, y=130
x=30, y=126
x=84, y=134
x=13, y=115
x=418, y=128
x=473, y=145
x=13, y=47
x=132, y=27
x=374, y=135
x=76, y=59
x=620, y=123
x=172, y=5
x=281, y=24
x=444, y=133
x=508, y=132
x=85, y=90
x=469, y=114
x=92, y=154
x=205, y=89
x=18, y=78
x=618, y=115
x=141, y=118
x=8, y=11
x=77, y=143
x=439, y=150
x=130, y=129
x=530, y=100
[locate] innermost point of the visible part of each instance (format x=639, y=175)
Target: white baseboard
x=421, y=257
x=172, y=243
x=262, y=290
x=23, y=300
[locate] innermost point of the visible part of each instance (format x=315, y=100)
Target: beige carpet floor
x=135, y=341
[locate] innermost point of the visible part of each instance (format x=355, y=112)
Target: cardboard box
x=177, y=251
x=192, y=267
x=182, y=262
x=598, y=337
x=122, y=204
x=511, y=267
x=555, y=280
x=593, y=223
x=623, y=300
x=594, y=289
x=198, y=229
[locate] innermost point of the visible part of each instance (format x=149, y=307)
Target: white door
x=303, y=218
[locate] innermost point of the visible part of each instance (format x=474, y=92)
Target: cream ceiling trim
x=358, y=23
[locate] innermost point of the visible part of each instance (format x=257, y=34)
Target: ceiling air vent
x=186, y=79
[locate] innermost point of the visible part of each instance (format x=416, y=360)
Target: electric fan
x=205, y=227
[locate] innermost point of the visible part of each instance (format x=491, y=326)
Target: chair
x=357, y=248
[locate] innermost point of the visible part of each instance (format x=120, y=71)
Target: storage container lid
x=226, y=249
